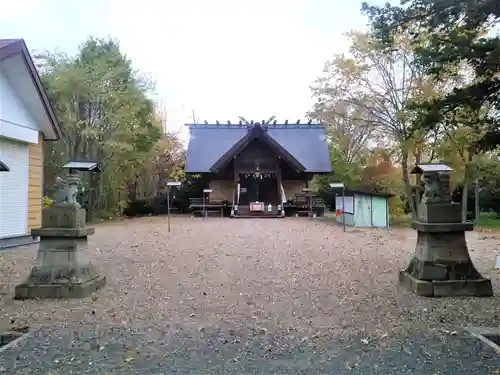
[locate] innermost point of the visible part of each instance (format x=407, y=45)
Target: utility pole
x=476, y=199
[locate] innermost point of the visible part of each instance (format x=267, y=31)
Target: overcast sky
x=220, y=58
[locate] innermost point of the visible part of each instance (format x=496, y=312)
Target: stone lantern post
x=441, y=265
x=63, y=268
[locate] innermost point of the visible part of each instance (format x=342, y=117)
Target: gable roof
x=304, y=142
x=256, y=132
x=17, y=47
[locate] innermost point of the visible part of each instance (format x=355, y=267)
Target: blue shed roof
x=305, y=142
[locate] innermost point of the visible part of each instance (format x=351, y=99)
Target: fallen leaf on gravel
x=453, y=333
x=364, y=341
x=316, y=335
x=350, y=365
x=340, y=280
x=129, y=359
x=23, y=329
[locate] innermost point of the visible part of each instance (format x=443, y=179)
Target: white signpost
x=205, y=194
x=169, y=185
x=340, y=185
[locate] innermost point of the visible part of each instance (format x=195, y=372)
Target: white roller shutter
x=14, y=188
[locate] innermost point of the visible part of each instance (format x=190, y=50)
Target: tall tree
x=457, y=33
x=107, y=116
x=380, y=86
x=345, y=124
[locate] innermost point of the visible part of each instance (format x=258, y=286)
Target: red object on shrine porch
x=338, y=212
x=256, y=206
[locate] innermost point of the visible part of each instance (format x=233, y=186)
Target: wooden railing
x=303, y=200
x=199, y=205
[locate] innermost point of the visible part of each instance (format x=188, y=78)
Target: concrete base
x=419, y=287
x=446, y=288
x=63, y=270
x=40, y=291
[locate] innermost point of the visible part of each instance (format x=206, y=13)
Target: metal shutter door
x=14, y=189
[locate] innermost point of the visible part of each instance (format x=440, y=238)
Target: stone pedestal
x=441, y=265
x=63, y=268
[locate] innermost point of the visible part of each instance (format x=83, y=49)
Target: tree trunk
x=132, y=190
x=465, y=189
x=407, y=181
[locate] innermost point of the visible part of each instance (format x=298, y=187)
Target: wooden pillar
x=309, y=197
x=307, y=187
x=236, y=180
x=278, y=180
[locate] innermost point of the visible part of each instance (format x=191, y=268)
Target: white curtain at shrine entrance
x=283, y=196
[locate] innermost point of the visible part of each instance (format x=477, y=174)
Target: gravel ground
x=269, y=296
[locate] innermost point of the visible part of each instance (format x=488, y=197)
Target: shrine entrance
x=259, y=188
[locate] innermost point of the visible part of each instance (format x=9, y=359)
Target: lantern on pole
x=205, y=196
x=169, y=185
x=73, y=181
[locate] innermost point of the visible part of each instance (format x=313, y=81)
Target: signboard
x=345, y=203
x=337, y=185
x=174, y=183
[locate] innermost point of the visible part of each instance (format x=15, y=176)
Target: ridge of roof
x=250, y=126
x=6, y=42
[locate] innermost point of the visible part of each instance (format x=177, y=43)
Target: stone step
x=244, y=211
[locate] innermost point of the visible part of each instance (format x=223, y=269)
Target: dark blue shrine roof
x=305, y=142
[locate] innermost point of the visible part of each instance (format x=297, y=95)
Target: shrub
x=47, y=202
x=138, y=207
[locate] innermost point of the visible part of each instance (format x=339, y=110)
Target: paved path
x=221, y=296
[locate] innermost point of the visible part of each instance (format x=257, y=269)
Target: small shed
x=363, y=209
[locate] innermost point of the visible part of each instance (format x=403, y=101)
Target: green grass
x=488, y=221
x=401, y=221
x=485, y=221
